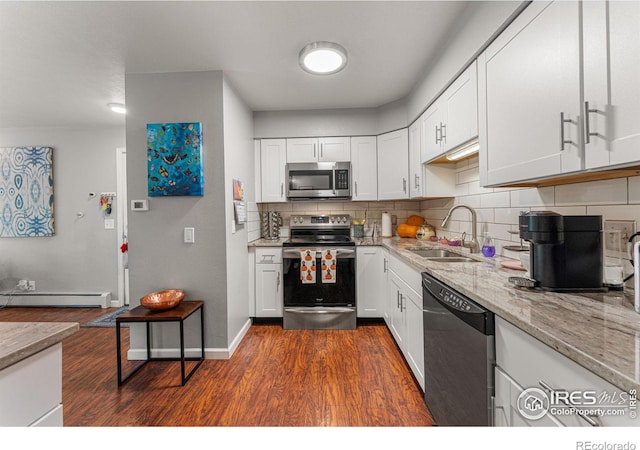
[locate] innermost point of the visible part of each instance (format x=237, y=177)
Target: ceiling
x=62, y=62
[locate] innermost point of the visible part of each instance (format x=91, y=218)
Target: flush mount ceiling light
x=117, y=108
x=323, y=58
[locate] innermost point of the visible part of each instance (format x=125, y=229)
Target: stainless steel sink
x=439, y=254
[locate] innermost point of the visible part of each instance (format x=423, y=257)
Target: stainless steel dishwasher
x=459, y=356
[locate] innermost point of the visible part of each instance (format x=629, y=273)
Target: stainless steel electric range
x=319, y=267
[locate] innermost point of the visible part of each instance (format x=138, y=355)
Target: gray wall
x=238, y=164
x=480, y=22
x=81, y=256
x=158, y=258
x=333, y=122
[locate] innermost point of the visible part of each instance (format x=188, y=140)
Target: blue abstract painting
x=26, y=191
x=174, y=159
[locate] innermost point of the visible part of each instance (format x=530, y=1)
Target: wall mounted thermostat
x=139, y=205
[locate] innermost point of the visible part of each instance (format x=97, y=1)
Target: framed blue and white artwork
x=174, y=159
x=26, y=191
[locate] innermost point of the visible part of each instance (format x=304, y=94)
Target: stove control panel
x=320, y=221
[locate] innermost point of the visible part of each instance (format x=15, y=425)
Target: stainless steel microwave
x=318, y=180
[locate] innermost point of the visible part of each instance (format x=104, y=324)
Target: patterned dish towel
x=329, y=265
x=308, y=266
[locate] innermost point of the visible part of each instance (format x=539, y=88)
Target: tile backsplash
x=400, y=209
x=497, y=208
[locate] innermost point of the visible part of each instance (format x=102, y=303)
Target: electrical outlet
x=23, y=285
x=617, y=234
x=31, y=285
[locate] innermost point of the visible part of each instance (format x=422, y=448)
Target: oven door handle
x=341, y=253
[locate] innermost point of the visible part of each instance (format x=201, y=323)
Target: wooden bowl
x=162, y=300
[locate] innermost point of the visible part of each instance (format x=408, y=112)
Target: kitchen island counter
x=599, y=331
x=20, y=340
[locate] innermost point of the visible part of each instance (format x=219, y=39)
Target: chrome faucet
x=474, y=246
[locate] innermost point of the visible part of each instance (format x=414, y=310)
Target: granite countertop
x=599, y=331
x=267, y=242
x=20, y=340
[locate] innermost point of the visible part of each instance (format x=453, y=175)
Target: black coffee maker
x=566, y=251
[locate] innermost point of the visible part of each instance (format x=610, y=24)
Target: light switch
x=189, y=235
x=109, y=224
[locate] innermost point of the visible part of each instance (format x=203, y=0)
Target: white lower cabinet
x=369, y=282
x=31, y=390
x=269, y=294
x=506, y=405
x=396, y=317
x=403, y=314
x=525, y=364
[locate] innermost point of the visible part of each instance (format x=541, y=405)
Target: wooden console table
x=178, y=314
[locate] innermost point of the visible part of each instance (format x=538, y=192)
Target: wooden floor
x=276, y=377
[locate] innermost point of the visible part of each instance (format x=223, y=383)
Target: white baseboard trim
x=87, y=299
x=139, y=354
x=236, y=340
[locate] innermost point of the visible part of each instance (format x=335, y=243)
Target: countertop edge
x=50, y=334
x=589, y=362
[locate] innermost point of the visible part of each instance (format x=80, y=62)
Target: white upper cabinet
x=452, y=119
x=611, y=43
x=529, y=96
x=461, y=105
x=393, y=165
x=415, y=161
x=364, y=168
x=431, y=130
x=434, y=180
x=319, y=149
x=273, y=160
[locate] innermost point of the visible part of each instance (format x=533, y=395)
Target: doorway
x=122, y=226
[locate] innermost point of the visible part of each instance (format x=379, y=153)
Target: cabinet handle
x=437, y=140
x=314, y=151
x=402, y=303
x=398, y=299
x=281, y=190
x=417, y=181
x=321, y=150
x=356, y=183
x=562, y=140
x=587, y=127
x=443, y=134
x=404, y=185
x=278, y=283
x=385, y=265
x=591, y=420
x=494, y=412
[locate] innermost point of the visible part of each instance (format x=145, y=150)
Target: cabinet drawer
x=269, y=255
x=31, y=388
x=412, y=277
x=533, y=364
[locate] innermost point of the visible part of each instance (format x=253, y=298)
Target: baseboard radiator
x=86, y=299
